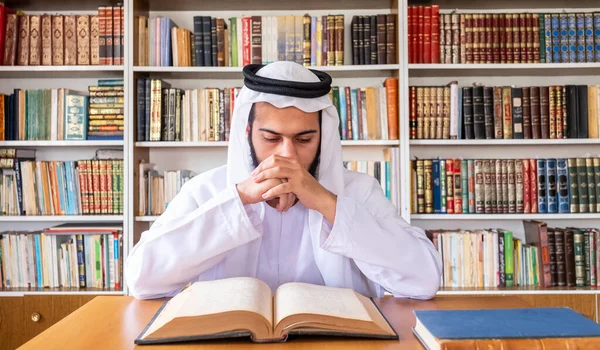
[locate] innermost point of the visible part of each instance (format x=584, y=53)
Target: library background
x=480, y=121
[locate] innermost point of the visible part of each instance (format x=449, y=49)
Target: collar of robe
x=286, y=87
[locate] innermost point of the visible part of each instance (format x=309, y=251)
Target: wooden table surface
x=113, y=322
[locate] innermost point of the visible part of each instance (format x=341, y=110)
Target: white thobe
x=206, y=233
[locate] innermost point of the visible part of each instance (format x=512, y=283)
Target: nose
x=288, y=149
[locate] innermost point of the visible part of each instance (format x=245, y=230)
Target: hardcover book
x=247, y=307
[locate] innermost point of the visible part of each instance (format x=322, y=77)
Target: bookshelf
x=169, y=155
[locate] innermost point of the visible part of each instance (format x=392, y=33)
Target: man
x=284, y=208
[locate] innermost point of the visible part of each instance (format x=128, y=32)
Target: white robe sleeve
x=396, y=256
x=188, y=239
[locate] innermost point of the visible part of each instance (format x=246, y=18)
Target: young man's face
x=287, y=132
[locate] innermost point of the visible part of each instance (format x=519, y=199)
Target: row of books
x=374, y=39
x=547, y=257
x=62, y=39
x=521, y=37
x=504, y=112
x=64, y=114
x=82, y=187
x=165, y=113
x=368, y=113
x=505, y=186
x=238, y=41
x=67, y=256
x=158, y=188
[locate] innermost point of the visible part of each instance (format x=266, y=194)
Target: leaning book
x=247, y=307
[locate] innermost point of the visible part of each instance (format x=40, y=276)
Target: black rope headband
x=286, y=88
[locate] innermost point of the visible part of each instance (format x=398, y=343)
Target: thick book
x=247, y=307
x=518, y=328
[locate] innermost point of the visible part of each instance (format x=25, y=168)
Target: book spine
x=562, y=176
x=573, y=185
x=591, y=184
x=541, y=186
x=551, y=186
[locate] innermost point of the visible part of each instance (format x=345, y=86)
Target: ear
x=247, y=128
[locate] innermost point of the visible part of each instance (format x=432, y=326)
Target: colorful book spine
x=562, y=175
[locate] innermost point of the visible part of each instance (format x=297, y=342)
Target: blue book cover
x=343, y=117
x=437, y=204
x=551, y=185
x=554, y=24
x=597, y=36
x=354, y=104
x=589, y=37
x=562, y=176
x=580, y=22
x=572, y=32
x=435, y=326
x=564, y=37
x=541, y=186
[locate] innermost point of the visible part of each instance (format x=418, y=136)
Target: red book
x=421, y=32
x=489, y=38
x=533, y=185
x=427, y=34
x=495, y=38
x=526, y=188
x=435, y=33
x=450, y=186
x=246, y=59
x=458, y=209
x=502, y=37
x=415, y=34
x=3, y=12
x=409, y=21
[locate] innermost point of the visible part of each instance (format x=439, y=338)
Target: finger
x=283, y=202
x=273, y=161
x=279, y=172
x=291, y=201
x=277, y=191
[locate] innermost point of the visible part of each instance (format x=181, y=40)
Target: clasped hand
x=282, y=180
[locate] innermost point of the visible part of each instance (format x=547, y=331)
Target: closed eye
x=304, y=140
x=270, y=139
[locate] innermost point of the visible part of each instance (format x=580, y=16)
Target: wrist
x=327, y=206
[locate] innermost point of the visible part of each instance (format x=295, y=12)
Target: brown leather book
x=58, y=40
x=545, y=111
x=534, y=94
x=536, y=233
x=523, y=37
x=559, y=249
x=502, y=36
x=391, y=88
x=94, y=40
x=468, y=30
x=495, y=38
x=339, y=40
x=11, y=40
x=508, y=29
x=526, y=99
x=35, y=40
x=489, y=38
x=381, y=44
x=83, y=39
x=221, y=52
x=70, y=35
x=116, y=35
x=390, y=38
x=23, y=45
x=46, y=40
x=517, y=54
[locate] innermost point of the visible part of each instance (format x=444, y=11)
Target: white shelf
x=500, y=66
x=193, y=69
x=110, y=143
x=499, y=142
x=77, y=68
x=146, y=218
x=516, y=291
x=180, y=144
x=62, y=218
x=504, y=216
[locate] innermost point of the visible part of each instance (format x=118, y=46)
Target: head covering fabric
x=239, y=164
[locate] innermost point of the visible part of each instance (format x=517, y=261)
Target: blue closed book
x=510, y=328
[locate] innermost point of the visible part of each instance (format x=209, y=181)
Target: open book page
x=302, y=298
x=213, y=297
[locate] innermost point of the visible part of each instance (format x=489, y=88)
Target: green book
x=579, y=246
x=509, y=258
x=233, y=41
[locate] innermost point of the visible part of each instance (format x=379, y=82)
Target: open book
x=243, y=306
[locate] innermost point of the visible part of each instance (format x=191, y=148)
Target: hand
x=251, y=192
x=299, y=181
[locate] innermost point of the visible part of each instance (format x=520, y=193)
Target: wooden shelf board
x=148, y=218
x=62, y=218
x=504, y=216
x=61, y=143
x=494, y=142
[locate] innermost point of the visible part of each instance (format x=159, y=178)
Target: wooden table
x=113, y=322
